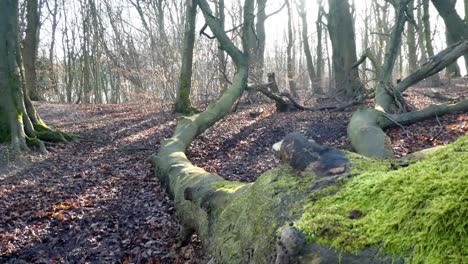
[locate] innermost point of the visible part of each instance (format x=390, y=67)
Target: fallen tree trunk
x=312, y=210
x=434, y=65
x=285, y=101
x=438, y=95
x=366, y=128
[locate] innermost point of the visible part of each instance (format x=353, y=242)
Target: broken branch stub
x=305, y=155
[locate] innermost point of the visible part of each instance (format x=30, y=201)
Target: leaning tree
x=325, y=205
x=19, y=122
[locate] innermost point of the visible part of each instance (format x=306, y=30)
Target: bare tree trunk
x=340, y=27
x=421, y=44
x=290, y=62
x=53, y=80
x=316, y=88
x=383, y=99
x=222, y=60
x=182, y=102
x=411, y=40
x=260, y=35
x=29, y=50
x=466, y=13
x=435, y=79
x=320, y=60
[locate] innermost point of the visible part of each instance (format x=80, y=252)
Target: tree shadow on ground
x=93, y=200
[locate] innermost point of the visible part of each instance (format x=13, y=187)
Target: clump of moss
x=418, y=213
x=47, y=134
x=228, y=187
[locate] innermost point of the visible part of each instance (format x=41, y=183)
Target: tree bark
x=222, y=60
x=29, y=50
x=290, y=61
x=340, y=27
x=453, y=70
x=320, y=60
x=435, y=79
x=411, y=40
x=261, y=38
x=316, y=87
x=19, y=122
x=455, y=26
x=182, y=102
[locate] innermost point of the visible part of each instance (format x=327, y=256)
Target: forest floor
x=97, y=200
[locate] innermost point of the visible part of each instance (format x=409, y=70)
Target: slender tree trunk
x=411, y=40
x=383, y=99
x=466, y=14
x=421, y=44
x=182, y=102
x=29, y=50
x=316, y=88
x=260, y=30
x=320, y=60
x=53, y=80
x=222, y=60
x=435, y=79
x=290, y=62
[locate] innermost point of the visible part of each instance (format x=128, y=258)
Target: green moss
x=247, y=227
x=229, y=187
x=182, y=104
x=45, y=133
x=418, y=213
x=33, y=142
x=362, y=164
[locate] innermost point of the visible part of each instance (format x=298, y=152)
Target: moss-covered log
x=318, y=214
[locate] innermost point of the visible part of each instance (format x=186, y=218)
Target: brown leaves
x=93, y=201
x=438, y=131
x=239, y=147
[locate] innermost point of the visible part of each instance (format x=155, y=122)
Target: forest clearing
x=267, y=131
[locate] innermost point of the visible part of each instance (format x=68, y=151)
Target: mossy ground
x=418, y=213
